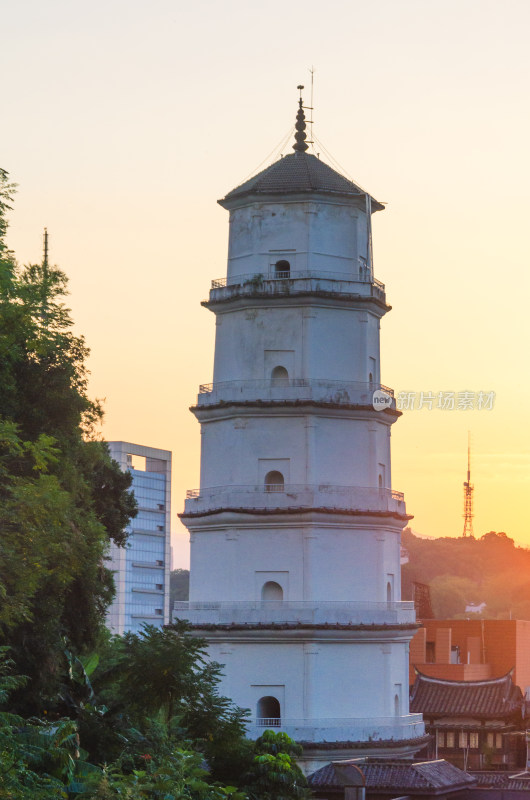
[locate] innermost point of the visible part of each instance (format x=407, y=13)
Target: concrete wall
x=339, y=344
x=233, y=564
x=314, y=449
x=353, y=681
x=328, y=236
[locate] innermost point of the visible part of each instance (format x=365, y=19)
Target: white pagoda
x=295, y=529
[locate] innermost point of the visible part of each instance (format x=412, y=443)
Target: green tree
x=41, y=760
x=62, y=498
x=159, y=686
x=490, y=569
x=36, y=757
x=450, y=594
x=179, y=587
x=274, y=775
x=179, y=775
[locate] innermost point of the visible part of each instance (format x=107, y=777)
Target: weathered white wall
x=323, y=235
x=316, y=679
x=227, y=564
x=319, y=449
x=328, y=343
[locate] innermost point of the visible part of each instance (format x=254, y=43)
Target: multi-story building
x=141, y=568
x=295, y=529
x=472, y=650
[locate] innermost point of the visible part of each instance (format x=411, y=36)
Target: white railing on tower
x=297, y=281
x=272, y=496
x=295, y=389
x=257, y=277
x=310, y=612
x=406, y=726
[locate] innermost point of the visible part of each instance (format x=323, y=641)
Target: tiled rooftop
x=295, y=173
x=487, y=698
x=401, y=777
x=502, y=780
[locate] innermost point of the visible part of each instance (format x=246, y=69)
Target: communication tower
x=468, y=496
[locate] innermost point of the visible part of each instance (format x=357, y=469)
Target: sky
x=125, y=121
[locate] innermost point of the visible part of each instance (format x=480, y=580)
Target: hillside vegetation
x=490, y=569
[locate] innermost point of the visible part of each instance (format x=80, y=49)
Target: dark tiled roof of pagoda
x=495, y=697
x=399, y=776
x=298, y=173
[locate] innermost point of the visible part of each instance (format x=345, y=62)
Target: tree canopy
x=84, y=714
x=62, y=498
x=490, y=569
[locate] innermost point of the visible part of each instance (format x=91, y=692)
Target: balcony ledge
x=295, y=498
x=331, y=731
x=296, y=391
x=295, y=614
x=319, y=283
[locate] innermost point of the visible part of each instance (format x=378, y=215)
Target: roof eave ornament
x=300, y=145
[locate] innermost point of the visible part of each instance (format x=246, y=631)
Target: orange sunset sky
x=124, y=122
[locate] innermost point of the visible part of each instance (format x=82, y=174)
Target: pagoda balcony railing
x=268, y=497
x=292, y=390
x=310, y=612
x=296, y=282
x=354, y=729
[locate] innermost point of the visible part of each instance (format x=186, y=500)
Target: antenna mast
x=45, y=278
x=45, y=259
x=468, y=495
x=312, y=71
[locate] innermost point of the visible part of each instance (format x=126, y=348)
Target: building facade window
x=462, y=739
x=268, y=712
x=494, y=740
x=449, y=739
x=272, y=592
x=279, y=376
x=274, y=481
x=473, y=739
x=282, y=269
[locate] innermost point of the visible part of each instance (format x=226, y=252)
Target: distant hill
x=459, y=571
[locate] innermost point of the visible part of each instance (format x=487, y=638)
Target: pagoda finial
x=300, y=136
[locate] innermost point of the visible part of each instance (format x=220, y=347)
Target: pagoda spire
x=300, y=136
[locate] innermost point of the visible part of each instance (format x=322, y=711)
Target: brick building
x=472, y=649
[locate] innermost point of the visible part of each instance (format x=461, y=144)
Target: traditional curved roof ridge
x=298, y=173
x=492, y=697
x=400, y=776
x=501, y=679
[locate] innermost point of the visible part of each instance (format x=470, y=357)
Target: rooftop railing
x=292, y=389
x=296, y=282
x=310, y=612
x=257, y=278
x=407, y=726
x=283, y=496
